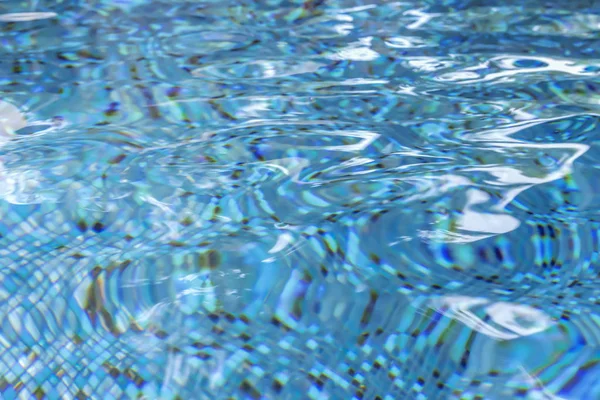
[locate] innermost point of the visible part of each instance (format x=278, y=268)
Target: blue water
x=312, y=199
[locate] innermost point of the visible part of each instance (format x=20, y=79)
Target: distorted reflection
x=512, y=320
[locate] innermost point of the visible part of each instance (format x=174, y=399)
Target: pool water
x=300, y=199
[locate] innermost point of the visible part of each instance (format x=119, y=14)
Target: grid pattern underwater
x=300, y=199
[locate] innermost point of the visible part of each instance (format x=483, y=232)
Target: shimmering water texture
x=300, y=200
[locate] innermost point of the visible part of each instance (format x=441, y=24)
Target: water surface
x=334, y=199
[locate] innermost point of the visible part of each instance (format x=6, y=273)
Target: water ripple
x=299, y=199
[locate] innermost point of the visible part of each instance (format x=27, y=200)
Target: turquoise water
x=333, y=199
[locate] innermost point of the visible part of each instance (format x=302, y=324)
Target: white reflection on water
x=11, y=119
x=513, y=320
x=26, y=16
x=475, y=221
x=515, y=179
x=510, y=66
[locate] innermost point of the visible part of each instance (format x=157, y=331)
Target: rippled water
x=319, y=199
